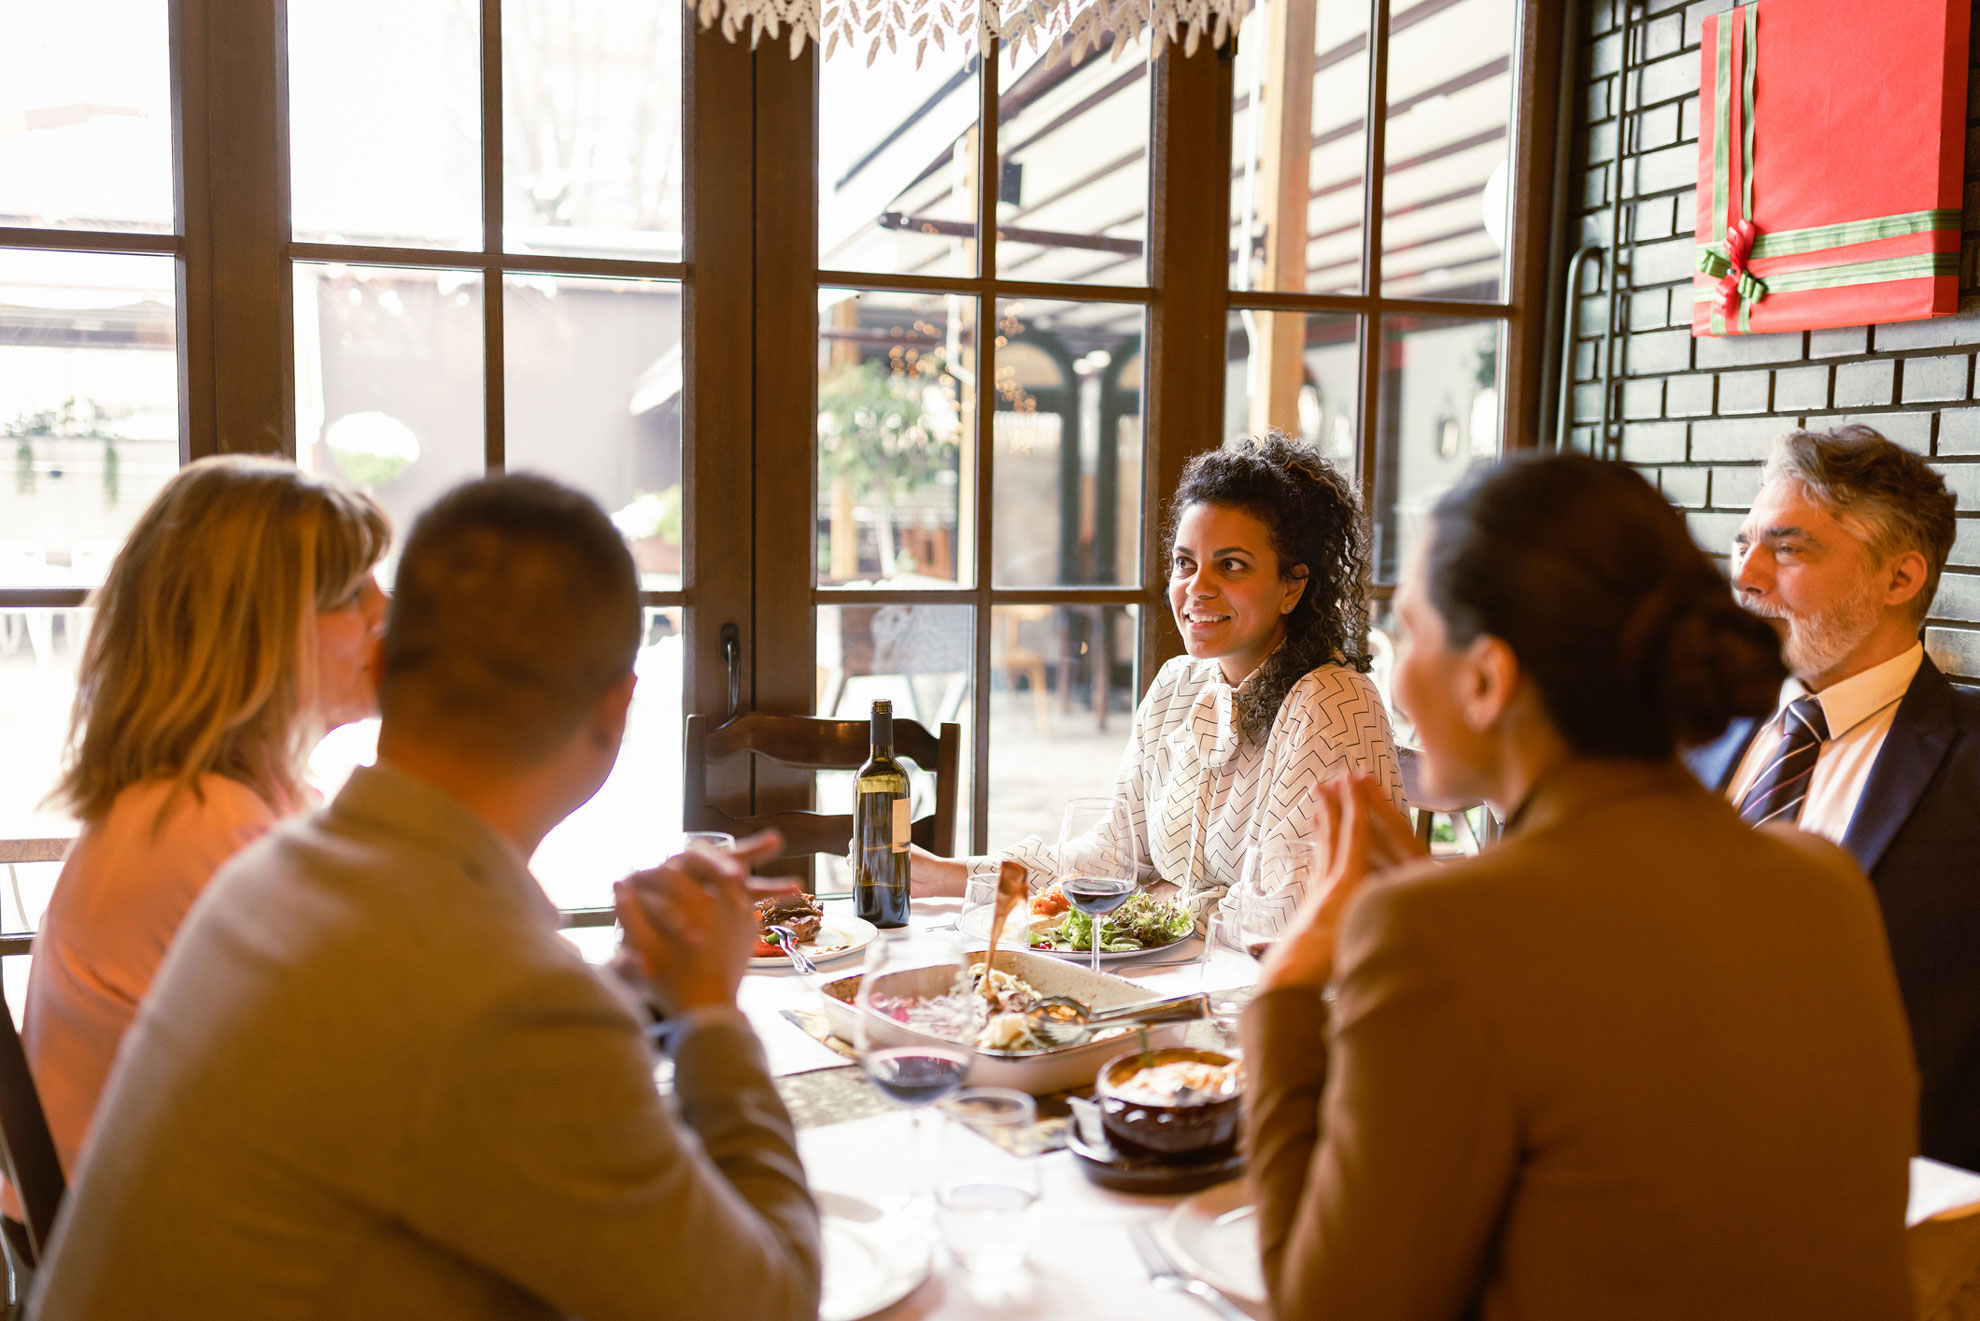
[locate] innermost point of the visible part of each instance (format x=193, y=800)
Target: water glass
x=987, y=1190
x=1227, y=1002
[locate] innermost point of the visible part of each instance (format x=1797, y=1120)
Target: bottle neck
x=883, y=734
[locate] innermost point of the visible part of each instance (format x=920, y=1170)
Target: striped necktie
x=1779, y=791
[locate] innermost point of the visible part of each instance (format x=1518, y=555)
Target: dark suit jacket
x=1916, y=831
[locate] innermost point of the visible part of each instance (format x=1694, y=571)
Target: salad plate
x=1214, y=1236
x=976, y=925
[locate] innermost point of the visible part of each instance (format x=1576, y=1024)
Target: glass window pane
x=389, y=392
x=919, y=657
x=591, y=139
x=897, y=162
x=1299, y=372
x=896, y=438
x=385, y=122
x=1069, y=448
x=1062, y=696
x=1439, y=417
x=1326, y=258
x=1072, y=193
x=1448, y=150
x=86, y=115
x=592, y=397
x=632, y=821
x=89, y=408
x=39, y=652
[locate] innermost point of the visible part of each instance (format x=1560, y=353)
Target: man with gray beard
x=1871, y=746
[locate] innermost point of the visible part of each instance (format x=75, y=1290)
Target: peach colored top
x=126, y=886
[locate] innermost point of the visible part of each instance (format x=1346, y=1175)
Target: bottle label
x=903, y=830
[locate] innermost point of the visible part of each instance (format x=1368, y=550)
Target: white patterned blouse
x=1194, y=798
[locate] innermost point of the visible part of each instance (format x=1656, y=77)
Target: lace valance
x=1076, y=27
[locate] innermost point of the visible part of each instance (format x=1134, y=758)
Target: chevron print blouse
x=1194, y=798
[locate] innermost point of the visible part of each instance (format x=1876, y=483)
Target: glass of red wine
x=1096, y=863
x=915, y=1029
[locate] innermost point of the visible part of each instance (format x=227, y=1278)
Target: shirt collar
x=1849, y=702
x=387, y=799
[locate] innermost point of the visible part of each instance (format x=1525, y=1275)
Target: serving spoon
x=1061, y=1021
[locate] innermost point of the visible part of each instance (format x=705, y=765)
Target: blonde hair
x=202, y=657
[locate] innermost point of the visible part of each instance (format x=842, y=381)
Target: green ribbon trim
x=1746, y=111
x=1794, y=242
x=1722, y=117
x=1716, y=265
x=1880, y=271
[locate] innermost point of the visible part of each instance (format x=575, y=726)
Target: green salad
x=1143, y=922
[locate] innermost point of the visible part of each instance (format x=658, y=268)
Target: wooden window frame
x=748, y=280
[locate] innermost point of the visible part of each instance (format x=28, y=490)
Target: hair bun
x=1690, y=653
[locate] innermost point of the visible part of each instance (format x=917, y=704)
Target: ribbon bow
x=1736, y=283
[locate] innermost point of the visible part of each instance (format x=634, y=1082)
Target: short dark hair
x=1897, y=500
x=1631, y=637
x=515, y=608
x=1314, y=516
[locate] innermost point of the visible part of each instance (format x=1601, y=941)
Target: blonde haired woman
x=233, y=631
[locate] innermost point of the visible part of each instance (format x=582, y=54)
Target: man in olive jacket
x=373, y=1081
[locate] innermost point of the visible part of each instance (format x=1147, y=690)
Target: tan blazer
x=372, y=1081
x=1638, y=1061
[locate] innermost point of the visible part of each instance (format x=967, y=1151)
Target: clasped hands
x=1365, y=836
x=690, y=924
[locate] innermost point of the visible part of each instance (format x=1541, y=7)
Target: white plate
x=837, y=937
x=1214, y=1236
x=976, y=925
x=872, y=1261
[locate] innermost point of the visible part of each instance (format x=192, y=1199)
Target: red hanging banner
x=1830, y=155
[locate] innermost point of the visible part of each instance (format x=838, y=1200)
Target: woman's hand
x=1366, y=835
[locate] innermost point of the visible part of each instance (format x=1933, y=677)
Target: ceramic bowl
x=1202, y=1130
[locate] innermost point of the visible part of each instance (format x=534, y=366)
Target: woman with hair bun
x=235, y=628
x=1636, y=1060
x=1267, y=570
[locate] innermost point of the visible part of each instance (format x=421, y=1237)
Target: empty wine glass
x=1276, y=876
x=1096, y=863
x=915, y=1027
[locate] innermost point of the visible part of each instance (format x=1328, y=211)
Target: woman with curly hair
x=1267, y=569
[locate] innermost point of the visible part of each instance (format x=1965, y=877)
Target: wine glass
x=1096, y=863
x=915, y=1027
x=1276, y=876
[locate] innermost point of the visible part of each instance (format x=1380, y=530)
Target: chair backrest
x=810, y=743
x=27, y=1152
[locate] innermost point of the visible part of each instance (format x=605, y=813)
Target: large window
x=883, y=370
x=1371, y=192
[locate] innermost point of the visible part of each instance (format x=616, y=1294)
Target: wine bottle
x=880, y=829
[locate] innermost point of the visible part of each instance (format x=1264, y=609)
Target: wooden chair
x=812, y=744
x=1428, y=809
x=27, y=1157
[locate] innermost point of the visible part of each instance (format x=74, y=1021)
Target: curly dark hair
x=1314, y=514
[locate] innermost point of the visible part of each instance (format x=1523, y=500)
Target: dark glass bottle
x=880, y=829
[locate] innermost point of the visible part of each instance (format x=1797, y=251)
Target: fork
x=787, y=941
x=1162, y=1273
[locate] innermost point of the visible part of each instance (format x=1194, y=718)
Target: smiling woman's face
x=1225, y=586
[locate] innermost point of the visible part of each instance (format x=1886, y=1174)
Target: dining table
x=1083, y=1261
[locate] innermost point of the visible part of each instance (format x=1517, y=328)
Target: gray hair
x=1893, y=498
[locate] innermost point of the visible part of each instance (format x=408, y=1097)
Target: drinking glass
x=988, y=1184
x=980, y=895
x=1275, y=877
x=1227, y=1003
x=717, y=840
x=1096, y=862
x=915, y=1027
